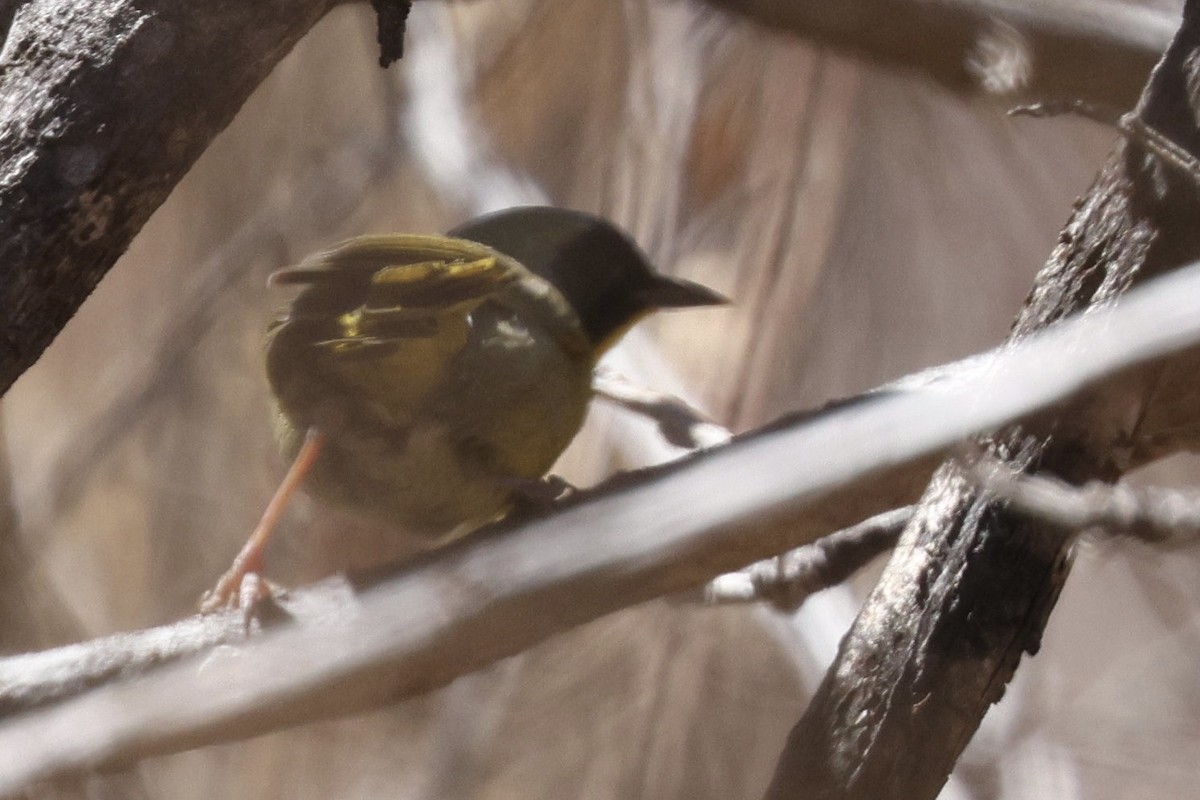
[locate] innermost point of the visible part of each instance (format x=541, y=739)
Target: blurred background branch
x=419, y=625
x=102, y=190
x=1025, y=48
x=1149, y=513
x=910, y=686
x=855, y=213
x=786, y=581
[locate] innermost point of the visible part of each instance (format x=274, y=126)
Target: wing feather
x=377, y=322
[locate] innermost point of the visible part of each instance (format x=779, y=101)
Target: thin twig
x=679, y=423
x=1075, y=107
x=657, y=533
x=786, y=581
x=1159, y=144
x=1152, y=514
x=1130, y=125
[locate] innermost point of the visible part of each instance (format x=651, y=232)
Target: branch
x=645, y=535
x=104, y=105
x=1102, y=52
x=788, y=580
x=392, y=20
x=107, y=103
x=1151, y=514
x=970, y=587
x=1131, y=126
x=678, y=423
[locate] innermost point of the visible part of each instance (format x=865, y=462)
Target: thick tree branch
x=104, y=105
x=970, y=586
x=645, y=535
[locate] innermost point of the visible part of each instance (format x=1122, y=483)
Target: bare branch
x=392, y=21
x=971, y=586
x=642, y=536
x=1129, y=125
x=1152, y=514
x=786, y=581
x=104, y=105
x=679, y=423
x=1059, y=49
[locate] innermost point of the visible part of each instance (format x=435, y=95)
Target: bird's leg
x=249, y=560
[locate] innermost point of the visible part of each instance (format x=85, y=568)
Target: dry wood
x=786, y=581
x=970, y=587
x=104, y=105
x=644, y=535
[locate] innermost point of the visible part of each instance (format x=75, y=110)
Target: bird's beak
x=676, y=293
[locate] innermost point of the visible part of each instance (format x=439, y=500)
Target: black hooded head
x=598, y=269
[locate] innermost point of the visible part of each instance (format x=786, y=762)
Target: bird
x=431, y=381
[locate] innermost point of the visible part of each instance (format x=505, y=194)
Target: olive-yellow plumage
x=445, y=374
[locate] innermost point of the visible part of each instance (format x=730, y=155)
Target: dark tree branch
x=970, y=587
x=104, y=105
x=645, y=535
x=392, y=21
x=788, y=580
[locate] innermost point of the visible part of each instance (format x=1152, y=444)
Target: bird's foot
x=535, y=497
x=242, y=586
x=235, y=589
x=249, y=592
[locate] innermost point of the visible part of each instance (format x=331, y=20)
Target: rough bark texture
x=128, y=113
x=970, y=587
x=404, y=629
x=104, y=105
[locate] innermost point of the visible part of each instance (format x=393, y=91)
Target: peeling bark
x=970, y=587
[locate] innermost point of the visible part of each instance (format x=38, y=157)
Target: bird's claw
x=245, y=590
x=535, y=497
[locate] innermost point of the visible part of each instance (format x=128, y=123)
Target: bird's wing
x=397, y=271
x=378, y=324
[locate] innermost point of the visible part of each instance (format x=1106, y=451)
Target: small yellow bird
x=430, y=381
